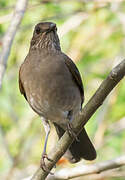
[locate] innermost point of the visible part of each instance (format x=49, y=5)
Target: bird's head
x=45, y=36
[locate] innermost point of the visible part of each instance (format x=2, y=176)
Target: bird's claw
x=43, y=165
x=71, y=132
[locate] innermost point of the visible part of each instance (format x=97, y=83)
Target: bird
x=52, y=85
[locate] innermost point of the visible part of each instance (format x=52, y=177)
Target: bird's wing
x=21, y=85
x=76, y=75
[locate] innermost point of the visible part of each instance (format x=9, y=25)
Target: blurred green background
x=92, y=33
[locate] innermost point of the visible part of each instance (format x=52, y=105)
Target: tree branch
x=83, y=170
x=94, y=103
x=109, y=174
x=10, y=34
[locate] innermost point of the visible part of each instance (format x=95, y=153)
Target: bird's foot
x=43, y=165
x=71, y=132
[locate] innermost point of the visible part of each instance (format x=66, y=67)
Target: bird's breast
x=50, y=89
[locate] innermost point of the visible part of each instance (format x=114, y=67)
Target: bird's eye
x=38, y=30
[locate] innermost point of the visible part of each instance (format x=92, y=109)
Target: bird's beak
x=51, y=28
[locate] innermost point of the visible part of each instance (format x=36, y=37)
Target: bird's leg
x=69, y=126
x=44, y=154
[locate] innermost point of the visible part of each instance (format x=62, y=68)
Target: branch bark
x=19, y=11
x=83, y=170
x=109, y=174
x=94, y=103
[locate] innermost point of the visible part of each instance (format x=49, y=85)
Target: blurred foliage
x=96, y=45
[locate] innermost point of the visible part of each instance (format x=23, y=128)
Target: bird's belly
x=52, y=94
x=55, y=102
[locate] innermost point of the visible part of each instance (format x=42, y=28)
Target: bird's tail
x=78, y=149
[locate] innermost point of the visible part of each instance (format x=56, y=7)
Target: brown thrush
x=52, y=85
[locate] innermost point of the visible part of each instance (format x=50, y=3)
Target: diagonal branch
x=94, y=103
x=10, y=34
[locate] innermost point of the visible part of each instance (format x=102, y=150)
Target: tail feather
x=79, y=149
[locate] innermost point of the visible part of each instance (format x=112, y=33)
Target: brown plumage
x=52, y=85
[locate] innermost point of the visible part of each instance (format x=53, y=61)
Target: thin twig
x=94, y=103
x=83, y=170
x=115, y=174
x=118, y=126
x=10, y=34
